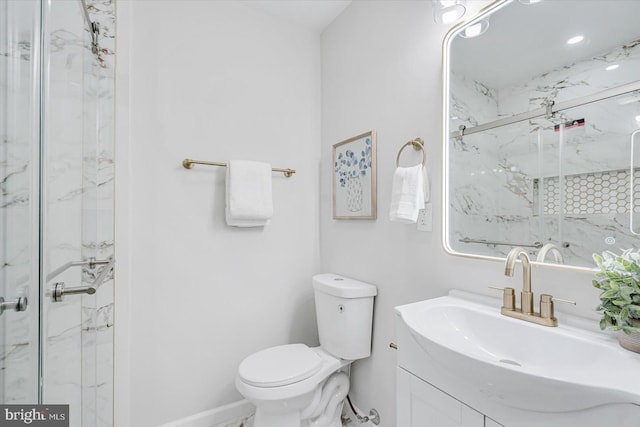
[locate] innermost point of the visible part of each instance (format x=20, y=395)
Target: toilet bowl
x=292, y=384
x=295, y=385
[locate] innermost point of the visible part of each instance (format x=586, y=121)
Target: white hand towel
x=249, y=199
x=427, y=190
x=408, y=194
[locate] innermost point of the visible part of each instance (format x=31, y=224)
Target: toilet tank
x=344, y=309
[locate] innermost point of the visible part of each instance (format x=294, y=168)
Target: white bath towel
x=249, y=199
x=408, y=194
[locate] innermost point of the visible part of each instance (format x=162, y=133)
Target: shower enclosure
x=56, y=207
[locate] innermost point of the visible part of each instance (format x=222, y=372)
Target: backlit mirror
x=542, y=109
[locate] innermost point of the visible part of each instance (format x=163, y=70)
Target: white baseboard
x=233, y=415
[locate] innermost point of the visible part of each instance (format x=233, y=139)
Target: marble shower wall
x=526, y=155
x=78, y=172
x=98, y=220
x=473, y=160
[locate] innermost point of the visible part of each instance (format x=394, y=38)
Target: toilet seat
x=280, y=366
x=329, y=364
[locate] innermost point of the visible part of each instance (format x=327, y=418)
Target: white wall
x=210, y=80
x=381, y=70
x=216, y=80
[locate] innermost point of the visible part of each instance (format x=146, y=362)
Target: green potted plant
x=619, y=283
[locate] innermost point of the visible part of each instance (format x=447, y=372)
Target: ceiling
x=524, y=41
x=315, y=15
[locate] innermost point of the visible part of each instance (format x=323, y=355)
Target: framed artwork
x=354, y=178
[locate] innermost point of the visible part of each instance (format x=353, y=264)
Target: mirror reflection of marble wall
x=506, y=184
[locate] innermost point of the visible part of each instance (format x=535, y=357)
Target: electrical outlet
x=425, y=218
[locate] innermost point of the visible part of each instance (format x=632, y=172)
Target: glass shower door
x=19, y=136
x=56, y=207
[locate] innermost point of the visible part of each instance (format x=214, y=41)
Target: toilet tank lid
x=343, y=287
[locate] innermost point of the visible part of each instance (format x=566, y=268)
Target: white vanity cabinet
x=444, y=380
x=422, y=405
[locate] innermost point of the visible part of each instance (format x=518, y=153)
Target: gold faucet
x=550, y=247
x=526, y=296
x=525, y=312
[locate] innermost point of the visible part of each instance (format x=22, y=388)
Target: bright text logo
x=34, y=415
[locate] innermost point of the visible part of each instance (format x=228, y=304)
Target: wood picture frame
x=354, y=178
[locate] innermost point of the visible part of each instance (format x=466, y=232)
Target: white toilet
x=297, y=386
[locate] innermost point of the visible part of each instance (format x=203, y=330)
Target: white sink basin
x=521, y=364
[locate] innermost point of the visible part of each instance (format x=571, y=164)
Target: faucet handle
x=508, y=297
x=549, y=298
x=564, y=301
x=546, y=305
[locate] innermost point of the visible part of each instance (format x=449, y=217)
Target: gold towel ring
x=418, y=144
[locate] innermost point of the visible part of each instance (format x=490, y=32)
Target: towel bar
x=188, y=164
x=536, y=245
x=418, y=144
x=90, y=262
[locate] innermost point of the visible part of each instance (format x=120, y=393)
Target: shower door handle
x=59, y=291
x=19, y=304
